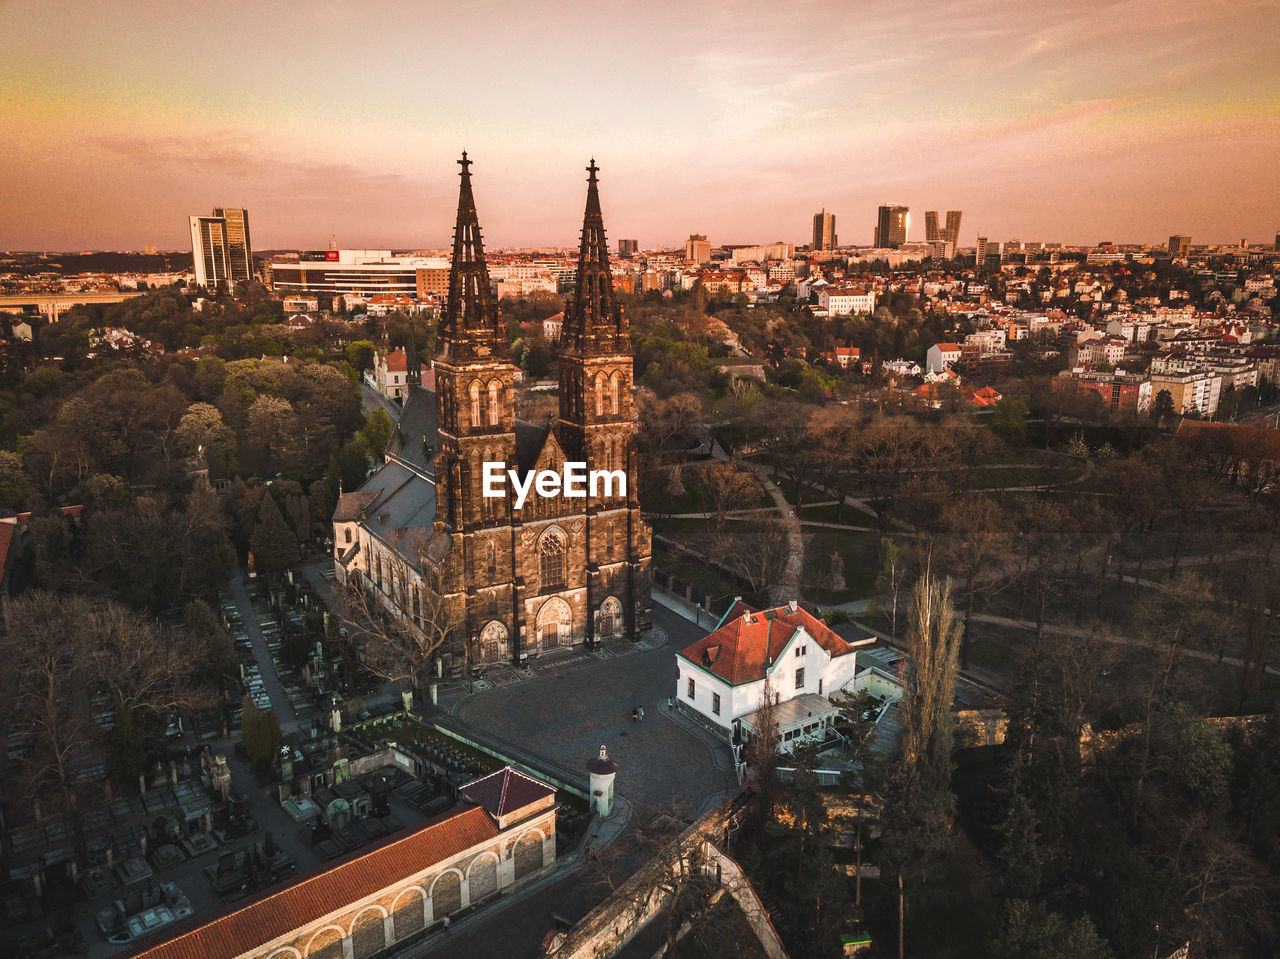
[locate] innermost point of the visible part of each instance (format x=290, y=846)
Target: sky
x=1077, y=121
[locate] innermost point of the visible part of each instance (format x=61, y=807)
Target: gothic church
x=514, y=584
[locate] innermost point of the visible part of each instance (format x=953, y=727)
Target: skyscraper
x=931, y=232
x=628, y=247
x=1179, y=246
x=239, y=246
x=892, y=225
x=952, y=233
x=980, y=251
x=221, y=250
x=824, y=231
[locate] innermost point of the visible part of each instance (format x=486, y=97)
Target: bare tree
x=399, y=614
x=757, y=550
x=726, y=487
x=976, y=533
x=63, y=652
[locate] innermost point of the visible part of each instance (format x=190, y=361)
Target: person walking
x=640, y=711
x=635, y=715
x=446, y=925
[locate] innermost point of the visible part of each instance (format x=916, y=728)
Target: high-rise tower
x=892, y=223
x=221, y=250
x=824, y=231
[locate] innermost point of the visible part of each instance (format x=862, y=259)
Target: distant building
x=221, y=249
x=893, y=222
x=942, y=356
x=824, y=231
x=846, y=301
x=697, y=249
x=360, y=272
x=628, y=247
x=1180, y=246
x=1198, y=391
x=952, y=232
x=1120, y=392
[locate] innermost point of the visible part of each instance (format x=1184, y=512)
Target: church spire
x=593, y=323
x=470, y=326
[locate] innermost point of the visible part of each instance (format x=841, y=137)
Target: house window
x=799, y=650
x=348, y=532
x=715, y=703
x=819, y=685
x=800, y=678
x=688, y=690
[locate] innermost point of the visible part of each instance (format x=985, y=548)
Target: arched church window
x=615, y=392
x=493, y=561
x=599, y=394
x=495, y=402
x=551, y=557
x=475, y=404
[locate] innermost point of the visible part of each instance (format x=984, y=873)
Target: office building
x=892, y=225
x=221, y=250
x=239, y=246
x=931, y=232
x=360, y=273
x=952, y=232
x=697, y=249
x=824, y=231
x=628, y=247
x=1179, y=246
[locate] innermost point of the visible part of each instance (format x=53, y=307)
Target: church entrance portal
x=555, y=624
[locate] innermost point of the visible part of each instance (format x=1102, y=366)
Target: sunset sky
x=1074, y=121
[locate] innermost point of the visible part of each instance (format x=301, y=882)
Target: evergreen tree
x=274, y=545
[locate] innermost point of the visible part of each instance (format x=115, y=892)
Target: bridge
x=51, y=305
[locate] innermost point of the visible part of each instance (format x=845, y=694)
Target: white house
x=391, y=374
x=846, y=300
x=722, y=677
x=941, y=356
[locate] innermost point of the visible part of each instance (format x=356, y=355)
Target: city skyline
x=1129, y=121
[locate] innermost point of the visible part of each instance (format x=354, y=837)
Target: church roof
x=530, y=439
x=414, y=438
x=505, y=791
x=280, y=910
x=404, y=503
x=743, y=648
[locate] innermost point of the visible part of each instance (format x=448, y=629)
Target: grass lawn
x=860, y=570
x=849, y=516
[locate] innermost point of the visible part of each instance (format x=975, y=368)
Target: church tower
x=596, y=427
x=475, y=417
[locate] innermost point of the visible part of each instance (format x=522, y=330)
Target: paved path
x=789, y=586
x=1108, y=637
x=266, y=667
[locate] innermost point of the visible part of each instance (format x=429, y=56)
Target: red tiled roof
x=945, y=347
x=505, y=791
x=6, y=539
x=279, y=911
x=397, y=361
x=747, y=642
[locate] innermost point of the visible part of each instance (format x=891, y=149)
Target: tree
x=1031, y=931
x=757, y=550
x=889, y=580
x=274, y=545
x=16, y=489
x=377, y=432
x=61, y=653
x=976, y=532
x=260, y=732
x=918, y=801
x=360, y=355
x=1162, y=409
x=1009, y=420
x=726, y=487
x=272, y=434
x=202, y=431
x=399, y=623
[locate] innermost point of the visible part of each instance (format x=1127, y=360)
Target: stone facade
x=559, y=571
